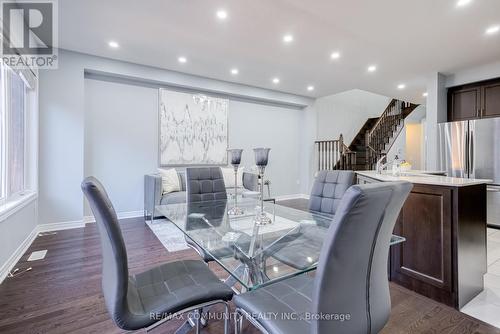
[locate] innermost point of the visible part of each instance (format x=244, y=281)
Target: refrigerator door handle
x=466, y=153
x=470, y=154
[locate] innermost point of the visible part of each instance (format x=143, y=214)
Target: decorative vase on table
x=261, y=159
x=235, y=161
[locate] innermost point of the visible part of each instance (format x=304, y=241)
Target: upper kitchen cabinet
x=464, y=103
x=474, y=101
x=491, y=100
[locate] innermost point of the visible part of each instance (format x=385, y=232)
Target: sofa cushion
x=170, y=180
x=173, y=198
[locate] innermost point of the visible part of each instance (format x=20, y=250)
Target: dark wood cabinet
x=465, y=104
x=474, y=101
x=491, y=100
x=424, y=261
x=444, y=255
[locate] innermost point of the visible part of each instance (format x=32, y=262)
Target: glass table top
x=254, y=255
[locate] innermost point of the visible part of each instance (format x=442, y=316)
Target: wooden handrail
x=387, y=127
x=382, y=117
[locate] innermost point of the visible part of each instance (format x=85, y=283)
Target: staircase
x=334, y=154
x=358, y=144
x=374, y=139
x=380, y=138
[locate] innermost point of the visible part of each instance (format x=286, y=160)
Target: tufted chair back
x=205, y=184
x=328, y=188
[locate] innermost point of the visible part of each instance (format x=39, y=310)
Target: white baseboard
x=25, y=245
x=121, y=215
x=130, y=214
x=18, y=253
x=88, y=219
x=292, y=196
x=51, y=227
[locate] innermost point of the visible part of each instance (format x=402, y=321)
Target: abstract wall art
x=193, y=129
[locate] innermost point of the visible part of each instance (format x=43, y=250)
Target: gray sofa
x=153, y=194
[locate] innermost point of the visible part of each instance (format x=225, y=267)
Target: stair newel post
x=341, y=151
x=319, y=156
x=367, y=148
x=330, y=151
x=323, y=155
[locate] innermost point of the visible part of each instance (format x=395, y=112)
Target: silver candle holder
x=261, y=160
x=235, y=162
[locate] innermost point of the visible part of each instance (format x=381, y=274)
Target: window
x=15, y=173
x=2, y=139
x=16, y=135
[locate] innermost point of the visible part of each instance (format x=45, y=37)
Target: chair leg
x=236, y=319
x=238, y=322
x=197, y=314
x=226, y=318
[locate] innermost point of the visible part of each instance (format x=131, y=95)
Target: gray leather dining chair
x=351, y=279
x=205, y=184
x=328, y=188
x=163, y=291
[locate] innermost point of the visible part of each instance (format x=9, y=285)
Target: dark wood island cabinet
x=444, y=223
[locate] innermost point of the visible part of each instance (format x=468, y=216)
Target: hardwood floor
x=62, y=294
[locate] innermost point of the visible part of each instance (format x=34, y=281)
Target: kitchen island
x=444, y=223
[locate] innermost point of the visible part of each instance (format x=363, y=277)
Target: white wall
x=474, y=74
x=256, y=125
x=414, y=145
x=398, y=147
x=346, y=113
x=61, y=103
x=14, y=231
x=308, y=128
x=403, y=141
x=121, y=139
x=63, y=118
x=435, y=113
x=121, y=142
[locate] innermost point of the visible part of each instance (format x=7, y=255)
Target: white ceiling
x=407, y=40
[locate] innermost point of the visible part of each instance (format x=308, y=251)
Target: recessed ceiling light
x=493, y=30
x=401, y=86
x=234, y=71
x=276, y=80
x=288, y=38
x=221, y=14
x=425, y=94
x=113, y=44
x=372, y=68
x=182, y=60
x=335, y=55
x=310, y=88
x=462, y=3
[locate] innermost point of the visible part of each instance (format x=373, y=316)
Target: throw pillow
x=169, y=180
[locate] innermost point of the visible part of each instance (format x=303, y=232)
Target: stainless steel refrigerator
x=471, y=149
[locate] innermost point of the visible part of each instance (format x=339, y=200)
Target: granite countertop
x=423, y=177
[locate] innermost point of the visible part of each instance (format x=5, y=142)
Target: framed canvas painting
x=192, y=129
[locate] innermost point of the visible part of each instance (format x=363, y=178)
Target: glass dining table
x=254, y=255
